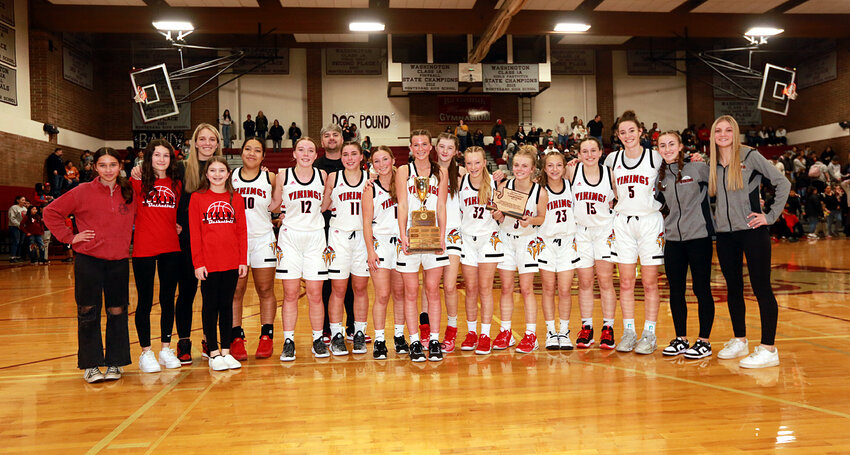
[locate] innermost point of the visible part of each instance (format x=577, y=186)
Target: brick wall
x=424, y=114
x=24, y=159
x=605, y=90
x=314, y=93
x=700, y=94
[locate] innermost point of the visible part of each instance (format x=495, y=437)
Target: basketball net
x=141, y=96
x=790, y=91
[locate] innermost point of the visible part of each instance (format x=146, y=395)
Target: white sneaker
x=734, y=348
x=148, y=363
x=566, y=344
x=552, y=341
x=168, y=359
x=218, y=363
x=760, y=358
x=231, y=362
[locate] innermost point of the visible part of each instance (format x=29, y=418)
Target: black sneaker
x=338, y=345
x=359, y=343
x=319, y=348
x=676, y=347
x=205, y=351
x=435, y=351
x=288, y=354
x=379, y=352
x=416, y=354
x=699, y=350
x=585, y=337
x=184, y=351
x=401, y=346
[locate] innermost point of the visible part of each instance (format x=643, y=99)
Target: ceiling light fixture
x=572, y=27
x=366, y=27
x=763, y=31
x=181, y=28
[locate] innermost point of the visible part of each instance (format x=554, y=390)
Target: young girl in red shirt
x=219, y=253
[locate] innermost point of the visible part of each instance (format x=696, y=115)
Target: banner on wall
x=817, y=70
x=650, y=63
x=429, y=77
x=724, y=88
x=263, y=60
x=77, y=60
x=353, y=61
x=365, y=120
x=142, y=138
x=744, y=111
x=7, y=11
x=573, y=62
x=510, y=78
x=7, y=45
x=469, y=108
x=8, y=85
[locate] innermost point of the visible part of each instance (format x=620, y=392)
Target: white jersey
x=636, y=184
x=302, y=201
x=346, y=203
x=413, y=202
x=560, y=220
x=475, y=218
x=257, y=194
x=593, y=202
x=511, y=225
x=384, y=211
x=453, y=217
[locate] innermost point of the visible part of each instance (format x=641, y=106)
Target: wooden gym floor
x=585, y=402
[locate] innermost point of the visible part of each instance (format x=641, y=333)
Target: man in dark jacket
x=594, y=128
x=294, y=133
x=499, y=128
x=55, y=169
x=249, y=127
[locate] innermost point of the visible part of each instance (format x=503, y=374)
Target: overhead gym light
x=181, y=28
x=366, y=27
x=572, y=27
x=763, y=31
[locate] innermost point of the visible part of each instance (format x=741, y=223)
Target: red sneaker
x=237, y=349
x=184, y=351
x=469, y=342
x=504, y=340
x=585, y=337
x=483, y=344
x=528, y=344
x=449, y=340
x=606, y=341
x=424, y=332
x=205, y=351
x=265, y=348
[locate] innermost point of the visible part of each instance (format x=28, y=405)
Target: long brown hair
x=543, y=180
x=435, y=168
x=126, y=188
x=148, y=174
x=734, y=178
x=191, y=179
x=454, y=169
x=680, y=162
x=228, y=183
x=388, y=151
x=484, y=192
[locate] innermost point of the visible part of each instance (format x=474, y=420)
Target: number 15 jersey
x=302, y=201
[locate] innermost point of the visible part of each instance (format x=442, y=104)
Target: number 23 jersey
x=302, y=201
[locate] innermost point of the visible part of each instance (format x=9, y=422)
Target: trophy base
x=423, y=235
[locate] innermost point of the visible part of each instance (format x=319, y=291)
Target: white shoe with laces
x=231, y=362
x=148, y=363
x=553, y=342
x=761, y=357
x=168, y=359
x=734, y=348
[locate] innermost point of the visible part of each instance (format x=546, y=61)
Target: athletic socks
x=485, y=329
x=336, y=327
x=398, y=330
x=506, y=325
x=360, y=327
x=550, y=326
x=610, y=322
x=267, y=329
x=452, y=321
x=435, y=336
x=379, y=335
x=472, y=326
x=289, y=335
x=317, y=334
x=628, y=325
x=414, y=337
x=589, y=321
x=237, y=332
x=531, y=328
x=649, y=326
x=565, y=326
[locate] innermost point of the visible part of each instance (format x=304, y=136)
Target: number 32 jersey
x=302, y=201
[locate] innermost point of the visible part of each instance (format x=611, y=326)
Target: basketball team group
x=345, y=219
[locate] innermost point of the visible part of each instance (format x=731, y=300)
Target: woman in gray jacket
x=736, y=174
x=688, y=228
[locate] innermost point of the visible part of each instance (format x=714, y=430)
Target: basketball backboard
x=774, y=85
x=154, y=94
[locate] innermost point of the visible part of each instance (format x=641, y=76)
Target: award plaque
x=424, y=235
x=510, y=202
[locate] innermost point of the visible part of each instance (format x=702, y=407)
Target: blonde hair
x=484, y=192
x=388, y=151
x=530, y=152
x=734, y=177
x=191, y=180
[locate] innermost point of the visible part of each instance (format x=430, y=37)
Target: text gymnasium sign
x=429, y=77
x=510, y=78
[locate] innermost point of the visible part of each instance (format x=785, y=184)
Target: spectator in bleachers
x=499, y=128
x=261, y=123
x=703, y=136
x=87, y=174
x=762, y=136
x=819, y=175
x=574, y=122
x=276, y=135
x=563, y=132
x=833, y=215
x=294, y=133
x=780, y=136
x=72, y=176
x=367, y=147
x=42, y=194
x=478, y=138
x=16, y=215
x=594, y=128
x=249, y=128
x=33, y=227
x=462, y=133
x=579, y=131
x=519, y=136
x=226, y=128
x=55, y=170
x=813, y=210
x=86, y=158
x=499, y=143
x=827, y=155
x=834, y=171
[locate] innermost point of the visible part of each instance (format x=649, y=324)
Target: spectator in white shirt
x=563, y=132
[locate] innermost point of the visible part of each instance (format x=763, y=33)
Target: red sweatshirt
x=218, y=231
x=156, y=219
x=32, y=225
x=97, y=208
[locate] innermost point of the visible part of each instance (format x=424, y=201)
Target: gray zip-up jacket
x=690, y=214
x=733, y=207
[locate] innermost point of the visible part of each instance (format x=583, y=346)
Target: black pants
x=731, y=248
x=678, y=257
x=217, y=291
x=143, y=271
x=95, y=280
x=188, y=287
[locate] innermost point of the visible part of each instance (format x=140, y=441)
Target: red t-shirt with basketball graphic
x=156, y=219
x=218, y=231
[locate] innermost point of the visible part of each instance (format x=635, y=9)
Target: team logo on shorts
x=611, y=239
x=575, y=247
x=495, y=240
x=453, y=236
x=375, y=243
x=399, y=249
x=329, y=255
x=535, y=247
x=660, y=240
x=277, y=251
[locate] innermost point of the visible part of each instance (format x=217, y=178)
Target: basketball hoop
x=141, y=95
x=790, y=91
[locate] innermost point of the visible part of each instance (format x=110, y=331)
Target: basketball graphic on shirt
x=160, y=196
x=219, y=212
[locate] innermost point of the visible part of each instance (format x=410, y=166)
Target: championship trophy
x=424, y=235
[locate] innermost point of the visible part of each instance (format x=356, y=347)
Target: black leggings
x=143, y=272
x=678, y=256
x=731, y=248
x=188, y=286
x=217, y=291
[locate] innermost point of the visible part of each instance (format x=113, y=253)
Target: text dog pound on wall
x=364, y=121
